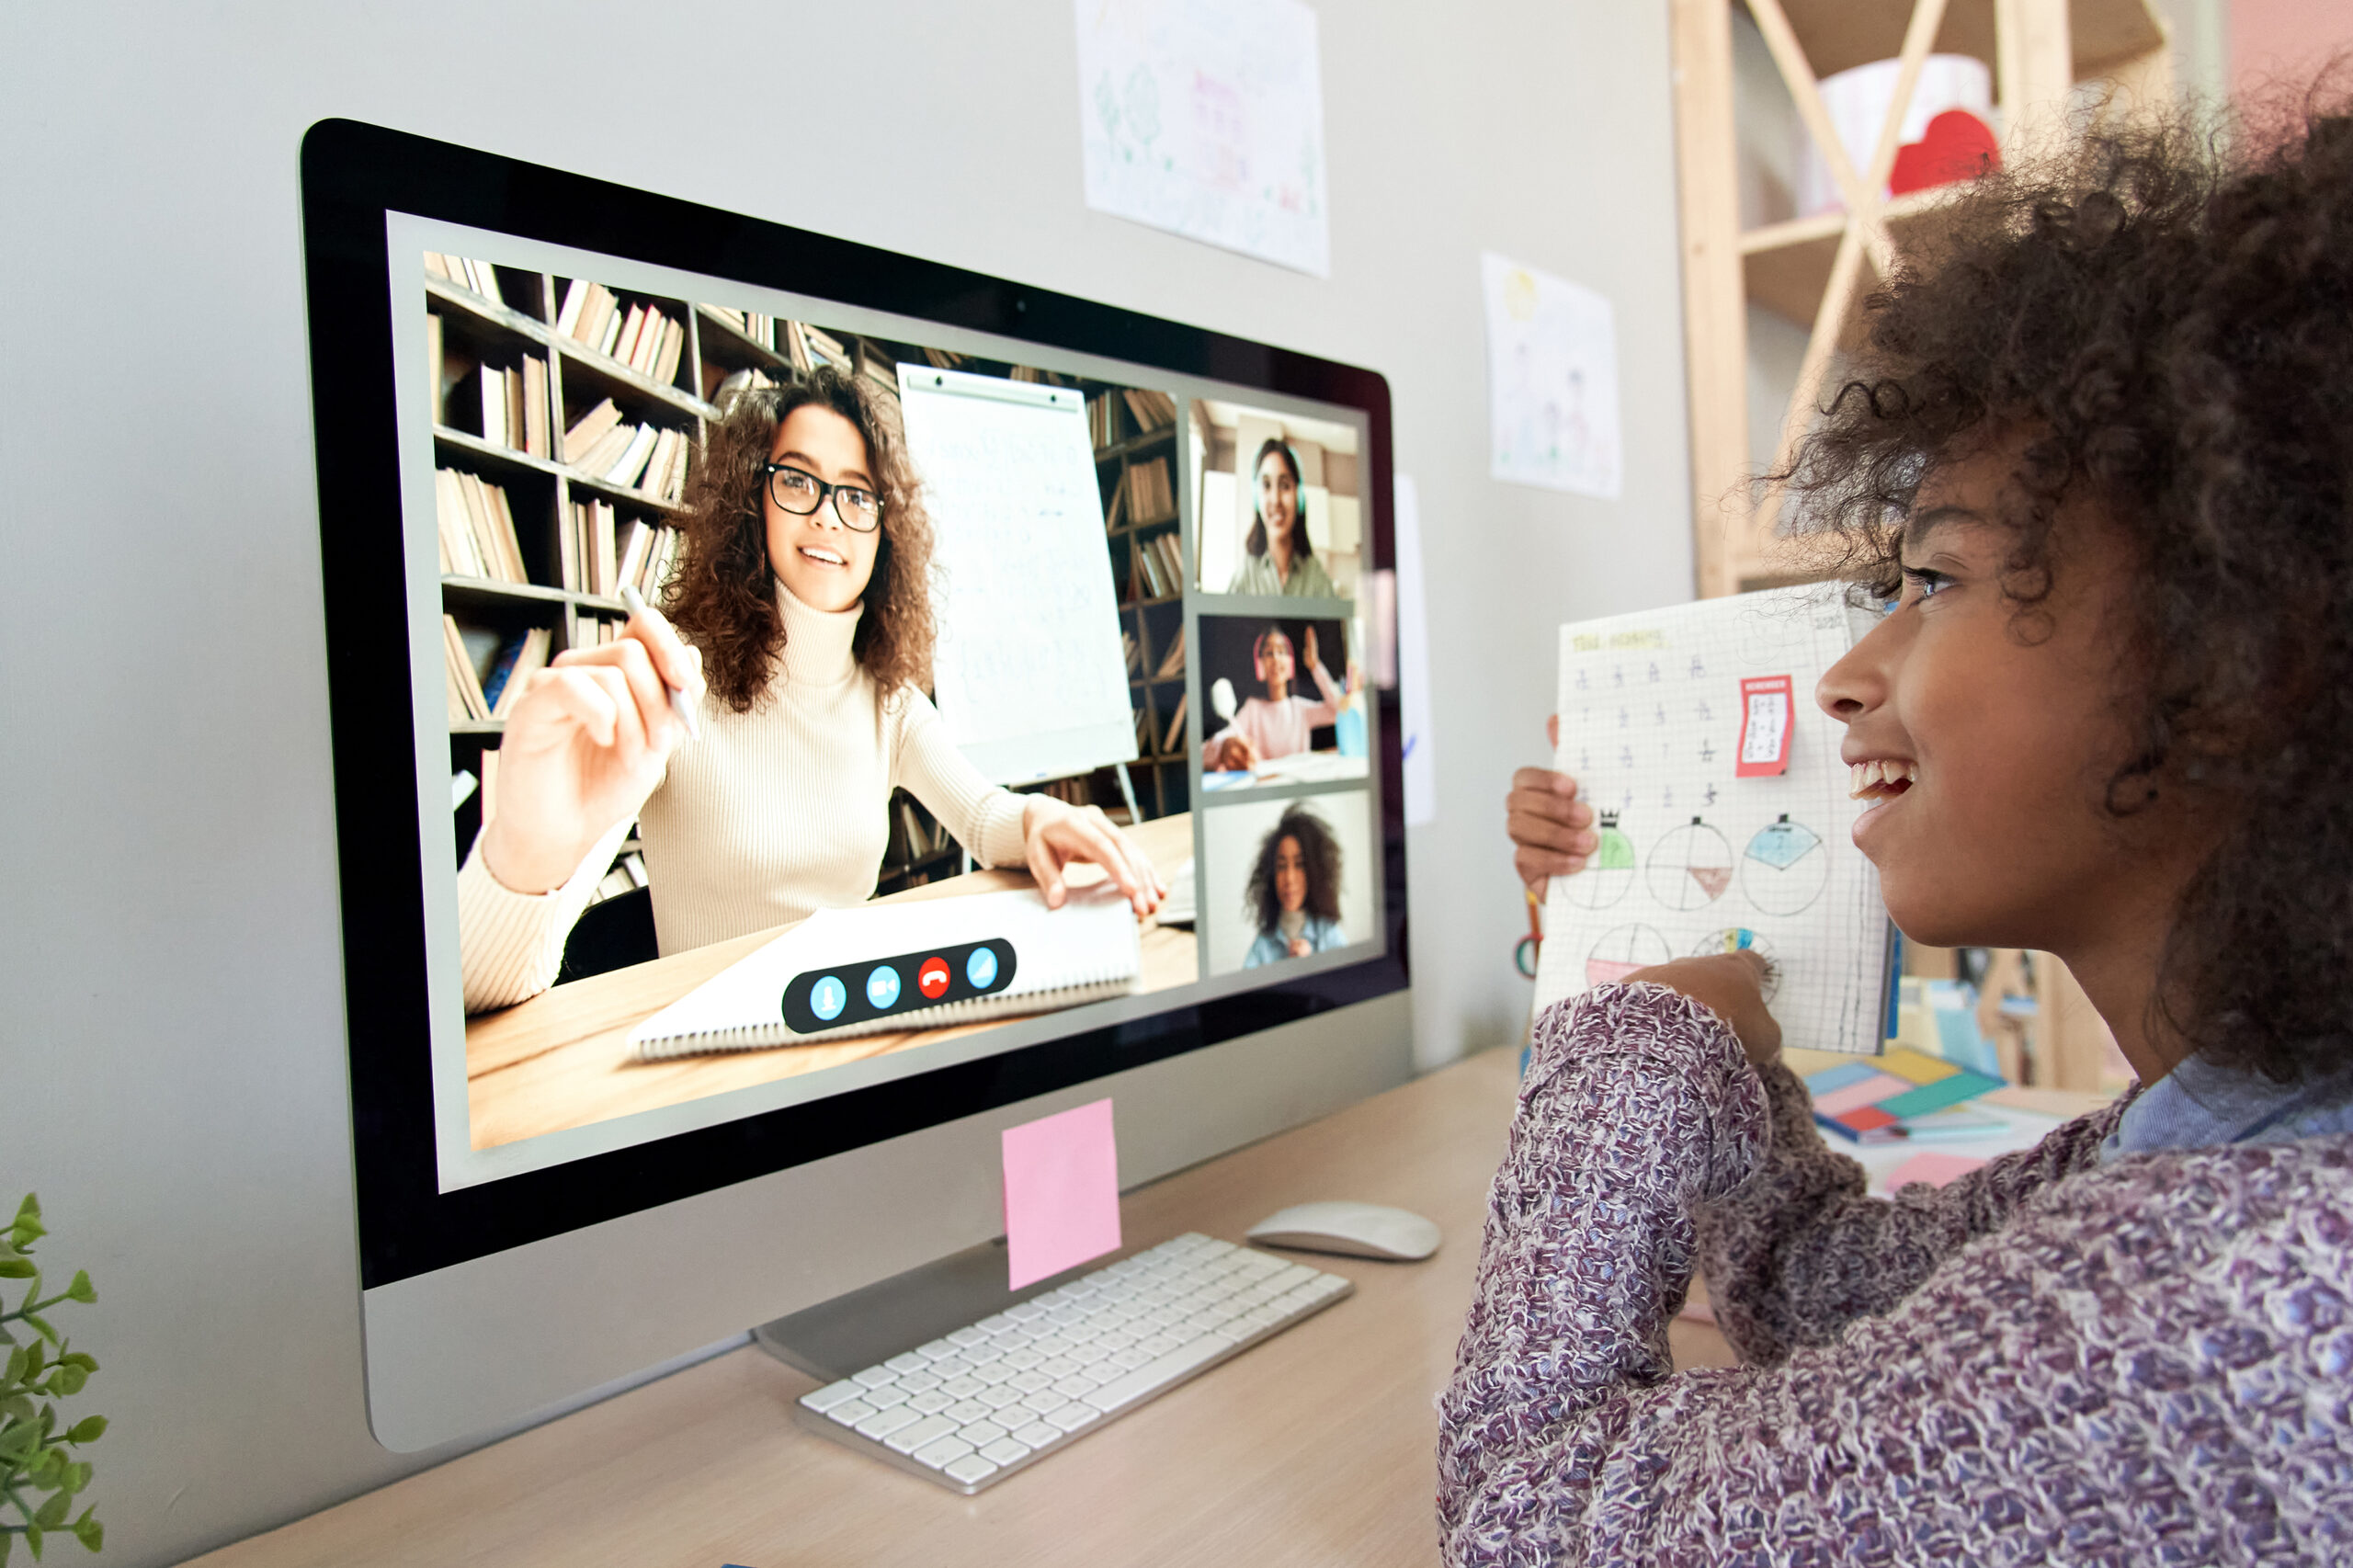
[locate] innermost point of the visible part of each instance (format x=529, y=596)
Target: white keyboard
x=971, y=1408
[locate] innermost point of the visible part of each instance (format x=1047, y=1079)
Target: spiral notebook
x=1084, y=951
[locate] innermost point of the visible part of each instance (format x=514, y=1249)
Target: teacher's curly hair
x=723, y=598
x=1319, y=854
x=2160, y=321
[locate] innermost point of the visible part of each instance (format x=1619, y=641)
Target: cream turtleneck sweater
x=768, y=817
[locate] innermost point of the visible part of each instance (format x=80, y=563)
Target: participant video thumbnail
x=742, y=647
x=1285, y=702
x=1279, y=508
x=1286, y=878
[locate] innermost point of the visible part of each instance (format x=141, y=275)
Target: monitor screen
x=982, y=601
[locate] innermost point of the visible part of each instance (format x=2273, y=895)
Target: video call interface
x=1140, y=600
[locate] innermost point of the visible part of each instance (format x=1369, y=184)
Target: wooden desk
x=562, y=1058
x=1315, y=1447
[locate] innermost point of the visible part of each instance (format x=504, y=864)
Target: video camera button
x=882, y=987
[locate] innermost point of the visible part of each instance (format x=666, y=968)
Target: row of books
x=466, y=273
x=477, y=529
x=641, y=336
x=1166, y=741
x=1151, y=497
x=1071, y=791
x=491, y=691
x=1172, y=662
x=1149, y=411
x=628, y=873
x=515, y=405
x=760, y=329
x=649, y=458
x=914, y=834
x=644, y=558
x=1159, y=566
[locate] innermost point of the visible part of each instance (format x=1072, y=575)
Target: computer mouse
x=1353, y=1230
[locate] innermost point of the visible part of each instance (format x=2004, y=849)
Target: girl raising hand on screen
x=801, y=628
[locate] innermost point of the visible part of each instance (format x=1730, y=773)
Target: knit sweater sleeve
x=1799, y=1252
x=986, y=820
x=511, y=944
x=2135, y=1372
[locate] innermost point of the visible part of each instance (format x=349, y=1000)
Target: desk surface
x=562, y=1058
x=1315, y=1447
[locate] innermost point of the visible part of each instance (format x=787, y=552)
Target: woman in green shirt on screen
x=1281, y=561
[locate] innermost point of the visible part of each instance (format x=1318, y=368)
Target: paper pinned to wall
x=1206, y=118
x=1551, y=382
x=1414, y=660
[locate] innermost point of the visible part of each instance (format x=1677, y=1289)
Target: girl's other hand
x=1731, y=985
x=1550, y=829
x=584, y=748
x=1054, y=834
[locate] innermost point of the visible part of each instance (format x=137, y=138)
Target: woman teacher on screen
x=801, y=628
x=1280, y=561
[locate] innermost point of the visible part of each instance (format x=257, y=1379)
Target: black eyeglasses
x=800, y=492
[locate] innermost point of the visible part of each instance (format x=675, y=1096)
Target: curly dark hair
x=1319, y=852
x=2160, y=324
x=1256, y=540
x=723, y=598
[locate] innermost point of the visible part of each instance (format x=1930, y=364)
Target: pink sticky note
x=1061, y=1192
x=1934, y=1169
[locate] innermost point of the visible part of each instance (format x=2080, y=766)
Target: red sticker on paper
x=1766, y=710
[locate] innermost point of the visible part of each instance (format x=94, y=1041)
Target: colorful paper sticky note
x=1061, y=1192
x=1862, y=1092
x=1916, y=1066
x=1963, y=1085
x=1838, y=1077
x=1933, y=1169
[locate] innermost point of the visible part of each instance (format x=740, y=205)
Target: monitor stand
x=834, y=1338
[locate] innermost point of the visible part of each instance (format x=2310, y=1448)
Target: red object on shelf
x=1956, y=146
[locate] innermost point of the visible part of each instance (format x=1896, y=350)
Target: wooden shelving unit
x=1155, y=622
x=1815, y=270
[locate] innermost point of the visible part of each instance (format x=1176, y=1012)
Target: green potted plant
x=41, y=1369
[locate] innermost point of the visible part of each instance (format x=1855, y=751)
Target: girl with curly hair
x=799, y=627
x=1295, y=890
x=2096, y=448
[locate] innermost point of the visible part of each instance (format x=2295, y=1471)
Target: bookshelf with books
x=1135, y=433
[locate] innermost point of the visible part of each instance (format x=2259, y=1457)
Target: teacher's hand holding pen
x=1552, y=830
x=585, y=746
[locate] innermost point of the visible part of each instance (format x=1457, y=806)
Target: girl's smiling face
x=826, y=564
x=1987, y=737
x=1278, y=496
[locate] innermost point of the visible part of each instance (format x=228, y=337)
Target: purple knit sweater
x=2047, y=1360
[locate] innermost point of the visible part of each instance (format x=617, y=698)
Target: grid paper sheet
x=1694, y=860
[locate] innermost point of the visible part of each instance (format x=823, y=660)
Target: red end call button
x=932, y=978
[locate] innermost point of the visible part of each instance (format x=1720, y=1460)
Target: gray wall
x=172, y=1074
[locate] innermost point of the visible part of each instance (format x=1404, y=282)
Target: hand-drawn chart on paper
x=1206, y=118
x=1694, y=859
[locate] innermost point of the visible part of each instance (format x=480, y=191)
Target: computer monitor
x=753, y=1048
